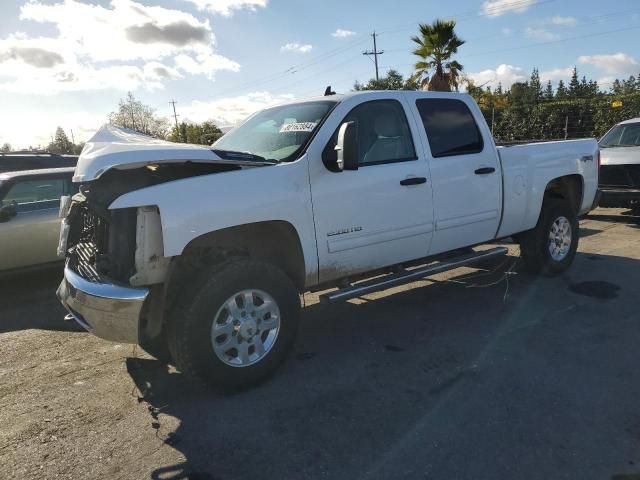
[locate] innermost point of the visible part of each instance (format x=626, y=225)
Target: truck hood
x=620, y=156
x=122, y=149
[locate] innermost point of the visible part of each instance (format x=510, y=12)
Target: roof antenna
x=328, y=92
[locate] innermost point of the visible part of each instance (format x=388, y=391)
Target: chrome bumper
x=108, y=311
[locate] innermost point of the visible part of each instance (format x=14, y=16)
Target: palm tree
x=437, y=43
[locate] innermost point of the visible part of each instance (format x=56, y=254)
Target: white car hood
x=121, y=148
x=620, y=156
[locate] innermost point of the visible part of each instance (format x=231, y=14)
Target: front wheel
x=551, y=246
x=235, y=325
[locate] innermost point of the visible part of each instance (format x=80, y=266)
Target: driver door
x=380, y=214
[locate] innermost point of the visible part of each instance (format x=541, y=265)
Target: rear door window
x=450, y=127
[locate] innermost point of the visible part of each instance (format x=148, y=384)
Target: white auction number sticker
x=298, y=127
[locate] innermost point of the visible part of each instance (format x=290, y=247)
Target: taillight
x=598, y=170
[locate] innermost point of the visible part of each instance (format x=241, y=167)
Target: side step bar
x=407, y=276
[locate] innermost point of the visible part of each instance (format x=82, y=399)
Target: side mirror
x=8, y=212
x=347, y=146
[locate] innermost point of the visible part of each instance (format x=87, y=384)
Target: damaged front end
x=115, y=257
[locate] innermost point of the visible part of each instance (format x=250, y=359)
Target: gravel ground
x=465, y=377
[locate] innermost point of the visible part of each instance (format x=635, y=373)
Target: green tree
x=575, y=89
x=561, y=91
x=535, y=86
x=135, y=115
x=436, y=44
x=392, y=81
x=548, y=92
x=61, y=144
x=6, y=147
x=198, y=133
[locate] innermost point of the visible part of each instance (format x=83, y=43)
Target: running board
x=408, y=276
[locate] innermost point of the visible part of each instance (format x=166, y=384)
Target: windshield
x=277, y=134
x=627, y=135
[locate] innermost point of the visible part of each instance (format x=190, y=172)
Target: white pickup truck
x=200, y=254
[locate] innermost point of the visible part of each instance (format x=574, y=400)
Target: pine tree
x=574, y=84
x=61, y=144
x=548, y=93
x=561, y=92
x=535, y=86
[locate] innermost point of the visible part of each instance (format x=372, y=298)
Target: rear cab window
x=450, y=127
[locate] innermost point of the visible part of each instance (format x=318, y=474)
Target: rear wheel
x=237, y=324
x=551, y=247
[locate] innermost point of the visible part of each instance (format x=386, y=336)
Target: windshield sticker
x=298, y=127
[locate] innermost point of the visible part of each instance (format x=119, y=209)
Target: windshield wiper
x=243, y=156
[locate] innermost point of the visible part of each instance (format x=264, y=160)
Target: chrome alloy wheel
x=245, y=328
x=560, y=238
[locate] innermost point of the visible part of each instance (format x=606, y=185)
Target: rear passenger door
x=465, y=173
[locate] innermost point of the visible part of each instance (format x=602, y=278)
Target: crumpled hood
x=620, y=156
x=121, y=148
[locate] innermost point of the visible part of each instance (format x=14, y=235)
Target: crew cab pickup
x=200, y=254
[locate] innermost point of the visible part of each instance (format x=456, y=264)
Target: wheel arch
x=275, y=241
x=568, y=187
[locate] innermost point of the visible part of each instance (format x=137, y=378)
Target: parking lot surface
x=479, y=374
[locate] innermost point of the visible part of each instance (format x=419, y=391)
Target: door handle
x=413, y=181
x=485, y=170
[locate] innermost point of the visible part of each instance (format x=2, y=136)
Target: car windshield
x=626, y=135
x=277, y=134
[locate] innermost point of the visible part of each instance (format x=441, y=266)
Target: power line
x=375, y=53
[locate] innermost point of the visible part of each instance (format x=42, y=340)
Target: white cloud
x=540, y=34
x=504, y=74
x=232, y=110
x=103, y=47
x=563, y=21
x=496, y=8
x=607, y=81
x=296, y=47
x=341, y=33
x=507, y=32
x=615, y=63
x=555, y=74
x=227, y=7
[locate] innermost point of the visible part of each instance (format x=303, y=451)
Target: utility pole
x=175, y=117
x=375, y=53
x=73, y=140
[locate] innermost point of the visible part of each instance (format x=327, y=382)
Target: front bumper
x=619, y=197
x=109, y=311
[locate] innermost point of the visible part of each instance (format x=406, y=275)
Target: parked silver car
x=620, y=166
x=29, y=223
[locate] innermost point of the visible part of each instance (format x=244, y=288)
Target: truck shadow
x=626, y=217
x=364, y=373
x=28, y=300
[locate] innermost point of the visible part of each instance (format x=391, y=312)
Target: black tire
x=189, y=334
x=534, y=244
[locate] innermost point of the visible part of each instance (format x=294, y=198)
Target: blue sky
x=67, y=62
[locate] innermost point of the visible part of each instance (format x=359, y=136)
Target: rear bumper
x=619, y=197
x=108, y=311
